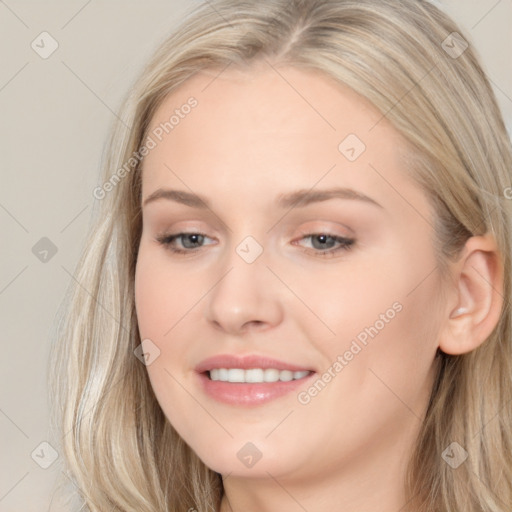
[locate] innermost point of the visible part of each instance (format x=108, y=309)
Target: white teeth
x=271, y=375
x=255, y=375
x=286, y=375
x=236, y=375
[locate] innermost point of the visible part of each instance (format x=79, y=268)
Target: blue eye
x=323, y=244
x=328, y=245
x=189, y=242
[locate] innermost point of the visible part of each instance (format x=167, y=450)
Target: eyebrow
x=296, y=199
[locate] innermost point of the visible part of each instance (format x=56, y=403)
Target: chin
x=252, y=459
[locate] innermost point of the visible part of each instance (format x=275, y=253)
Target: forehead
x=268, y=127
x=271, y=100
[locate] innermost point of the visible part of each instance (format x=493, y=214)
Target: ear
x=477, y=302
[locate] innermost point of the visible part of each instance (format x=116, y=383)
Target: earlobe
x=478, y=297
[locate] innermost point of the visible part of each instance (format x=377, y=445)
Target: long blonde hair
x=120, y=451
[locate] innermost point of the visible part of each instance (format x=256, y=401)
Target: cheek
x=163, y=294
x=161, y=300
x=387, y=342
x=159, y=305
x=386, y=317
x=380, y=373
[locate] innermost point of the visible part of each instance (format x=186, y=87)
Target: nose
x=246, y=297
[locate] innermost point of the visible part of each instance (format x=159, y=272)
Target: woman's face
x=308, y=256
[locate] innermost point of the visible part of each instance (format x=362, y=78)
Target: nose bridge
x=244, y=294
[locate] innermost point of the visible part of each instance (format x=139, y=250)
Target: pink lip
x=247, y=394
x=246, y=362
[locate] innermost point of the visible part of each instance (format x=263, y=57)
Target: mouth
x=250, y=380
x=255, y=375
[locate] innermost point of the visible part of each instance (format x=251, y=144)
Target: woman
x=296, y=293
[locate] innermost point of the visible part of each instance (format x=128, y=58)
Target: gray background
x=55, y=115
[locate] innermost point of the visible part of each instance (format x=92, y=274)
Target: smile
x=255, y=375
x=250, y=379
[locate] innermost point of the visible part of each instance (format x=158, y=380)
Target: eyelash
x=345, y=243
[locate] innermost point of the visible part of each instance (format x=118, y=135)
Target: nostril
x=253, y=324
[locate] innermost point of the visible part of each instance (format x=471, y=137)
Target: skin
x=251, y=138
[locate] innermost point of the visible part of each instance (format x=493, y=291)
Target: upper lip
x=246, y=362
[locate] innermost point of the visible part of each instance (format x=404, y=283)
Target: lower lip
x=249, y=394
